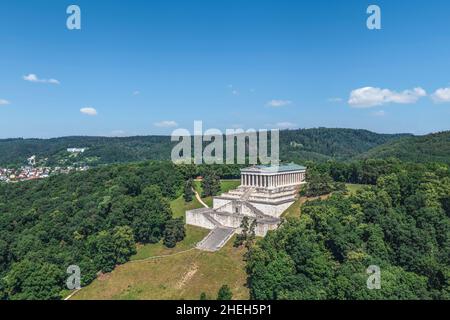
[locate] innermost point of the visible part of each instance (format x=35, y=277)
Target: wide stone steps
x=216, y=239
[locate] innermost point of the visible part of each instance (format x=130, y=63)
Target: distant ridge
x=300, y=145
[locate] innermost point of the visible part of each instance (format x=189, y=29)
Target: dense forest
x=430, y=148
x=321, y=144
x=295, y=145
x=91, y=219
x=100, y=150
x=400, y=223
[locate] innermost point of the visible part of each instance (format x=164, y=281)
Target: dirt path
x=197, y=196
x=187, y=276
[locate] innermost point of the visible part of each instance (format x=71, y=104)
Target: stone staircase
x=216, y=239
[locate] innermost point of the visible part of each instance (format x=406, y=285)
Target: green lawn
x=193, y=235
x=294, y=209
x=179, y=206
x=353, y=188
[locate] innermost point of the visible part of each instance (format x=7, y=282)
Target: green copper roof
x=279, y=168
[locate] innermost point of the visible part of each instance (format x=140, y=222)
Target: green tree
x=174, y=232
x=29, y=280
x=224, y=293
x=318, y=184
x=210, y=183
x=242, y=236
x=151, y=214
x=188, y=192
x=124, y=244
x=390, y=184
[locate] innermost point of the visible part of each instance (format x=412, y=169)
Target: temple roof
x=271, y=169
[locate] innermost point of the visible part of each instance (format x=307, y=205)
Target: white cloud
x=4, y=102
x=89, y=111
x=441, y=95
x=335, y=100
x=166, y=124
x=235, y=92
x=380, y=113
x=34, y=78
x=283, y=125
x=136, y=93
x=370, y=97
x=118, y=133
x=278, y=103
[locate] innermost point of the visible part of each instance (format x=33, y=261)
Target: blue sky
x=147, y=67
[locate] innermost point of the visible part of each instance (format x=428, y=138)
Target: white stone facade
x=264, y=194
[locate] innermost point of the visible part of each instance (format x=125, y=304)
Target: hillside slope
x=330, y=143
x=318, y=144
x=429, y=148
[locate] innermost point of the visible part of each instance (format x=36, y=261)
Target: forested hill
x=318, y=144
x=428, y=148
x=100, y=150
x=330, y=143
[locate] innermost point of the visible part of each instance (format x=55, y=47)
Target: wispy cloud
x=283, y=125
x=34, y=78
x=4, y=102
x=88, y=111
x=278, y=103
x=335, y=100
x=136, y=93
x=368, y=97
x=441, y=95
x=118, y=133
x=166, y=124
x=234, y=91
